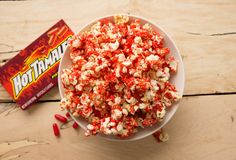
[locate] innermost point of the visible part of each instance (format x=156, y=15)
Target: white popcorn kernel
x=138, y=74
x=79, y=106
x=90, y=127
x=75, y=114
x=152, y=58
x=138, y=40
x=166, y=102
x=131, y=71
x=84, y=99
x=159, y=73
x=150, y=42
x=119, y=127
x=125, y=112
x=111, y=124
x=175, y=95
x=121, y=19
x=140, y=122
x=147, y=27
x=78, y=87
x=97, y=69
x=136, y=50
x=142, y=105
x=87, y=66
x=166, y=70
x=127, y=63
x=96, y=32
x=132, y=88
x=157, y=38
x=110, y=103
x=114, y=46
x=117, y=114
x=117, y=100
x=114, y=131
x=107, y=131
x=65, y=79
x=132, y=100
x=111, y=35
x=133, y=57
x=124, y=70
x=136, y=108
x=121, y=57
x=106, y=122
x=96, y=26
x=149, y=95
x=64, y=102
x=162, y=76
x=173, y=65
x=161, y=114
x=119, y=87
x=83, y=76
x=164, y=137
x=154, y=85
x=123, y=41
x=105, y=46
x=76, y=43
x=118, y=71
x=77, y=58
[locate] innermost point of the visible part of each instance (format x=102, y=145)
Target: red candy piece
x=68, y=115
x=56, y=129
x=61, y=118
x=75, y=125
x=157, y=134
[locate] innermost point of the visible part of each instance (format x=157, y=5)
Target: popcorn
x=152, y=58
x=147, y=27
x=76, y=43
x=121, y=57
x=161, y=136
x=127, y=63
x=121, y=19
x=116, y=114
x=117, y=100
x=142, y=106
x=114, y=46
x=116, y=83
x=164, y=137
x=138, y=40
x=161, y=114
x=124, y=70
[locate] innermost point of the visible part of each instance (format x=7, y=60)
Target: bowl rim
x=180, y=63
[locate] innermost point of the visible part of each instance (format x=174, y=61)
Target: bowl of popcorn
x=121, y=78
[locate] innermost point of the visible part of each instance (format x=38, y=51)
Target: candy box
x=33, y=72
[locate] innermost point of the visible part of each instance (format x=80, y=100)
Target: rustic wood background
x=203, y=128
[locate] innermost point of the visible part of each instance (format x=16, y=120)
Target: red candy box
x=33, y=72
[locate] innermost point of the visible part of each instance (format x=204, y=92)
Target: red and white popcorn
x=119, y=79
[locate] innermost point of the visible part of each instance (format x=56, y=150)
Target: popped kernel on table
x=204, y=126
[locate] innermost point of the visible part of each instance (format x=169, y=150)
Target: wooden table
x=204, y=126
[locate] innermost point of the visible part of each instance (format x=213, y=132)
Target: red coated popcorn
x=119, y=79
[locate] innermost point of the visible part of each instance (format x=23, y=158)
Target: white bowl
x=177, y=79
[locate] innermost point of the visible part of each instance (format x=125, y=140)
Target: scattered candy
x=67, y=114
x=75, y=125
x=61, y=118
x=56, y=129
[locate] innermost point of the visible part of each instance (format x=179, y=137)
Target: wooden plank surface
x=203, y=128
x=203, y=30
